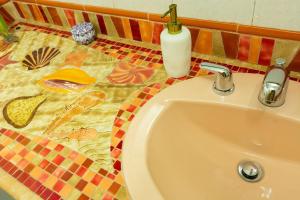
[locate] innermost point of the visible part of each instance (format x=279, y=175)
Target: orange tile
x=127, y=28
x=204, y=42
x=28, y=1
x=55, y=16
x=146, y=29
x=255, y=44
x=37, y=13
x=3, y=2
x=23, y=10
x=194, y=34
x=114, y=11
x=61, y=4
x=269, y=32
x=118, y=25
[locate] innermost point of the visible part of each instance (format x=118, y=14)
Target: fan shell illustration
x=40, y=58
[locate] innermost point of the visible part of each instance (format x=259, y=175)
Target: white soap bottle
x=176, y=45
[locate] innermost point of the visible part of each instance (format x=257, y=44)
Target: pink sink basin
x=187, y=142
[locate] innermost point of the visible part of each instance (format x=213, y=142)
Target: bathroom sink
x=187, y=142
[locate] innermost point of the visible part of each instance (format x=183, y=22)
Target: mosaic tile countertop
x=66, y=108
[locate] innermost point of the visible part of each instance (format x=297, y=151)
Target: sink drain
x=250, y=171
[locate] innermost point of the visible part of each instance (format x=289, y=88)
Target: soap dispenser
x=176, y=45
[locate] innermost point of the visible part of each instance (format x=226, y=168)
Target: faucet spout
x=274, y=87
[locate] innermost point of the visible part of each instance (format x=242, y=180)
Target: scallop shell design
x=40, y=58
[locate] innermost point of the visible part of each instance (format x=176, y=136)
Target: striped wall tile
x=230, y=42
x=244, y=47
x=266, y=51
x=204, y=42
x=295, y=63
x=135, y=29
x=101, y=24
x=70, y=17
x=253, y=49
x=157, y=29
x=146, y=30
x=6, y=16
x=117, y=21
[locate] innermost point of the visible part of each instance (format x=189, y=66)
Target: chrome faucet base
x=223, y=84
x=223, y=92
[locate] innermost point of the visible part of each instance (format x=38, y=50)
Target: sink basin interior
x=193, y=150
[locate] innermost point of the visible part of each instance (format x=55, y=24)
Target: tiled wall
x=249, y=12
x=249, y=48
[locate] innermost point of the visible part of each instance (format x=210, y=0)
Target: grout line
x=253, y=13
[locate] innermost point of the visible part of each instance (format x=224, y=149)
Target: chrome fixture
x=275, y=84
x=250, y=171
x=223, y=84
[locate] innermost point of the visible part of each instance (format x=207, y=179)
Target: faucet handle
x=223, y=84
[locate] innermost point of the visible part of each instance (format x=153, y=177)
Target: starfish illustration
x=5, y=60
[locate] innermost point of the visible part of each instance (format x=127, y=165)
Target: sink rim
x=135, y=141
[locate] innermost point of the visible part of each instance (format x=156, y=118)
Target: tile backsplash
x=249, y=48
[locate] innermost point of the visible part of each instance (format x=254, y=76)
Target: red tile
x=295, y=63
x=97, y=179
x=23, y=177
x=51, y=168
x=87, y=163
x=266, y=51
x=19, y=10
x=119, y=146
x=40, y=190
x=43, y=14
x=44, y=164
x=58, y=172
x=29, y=181
x=29, y=168
x=244, y=47
x=119, y=26
x=45, y=152
x=86, y=17
x=54, y=196
x=80, y=172
x=81, y=184
x=103, y=172
x=119, y=134
x=58, y=159
x=102, y=24
x=83, y=197
x=231, y=42
x=117, y=165
x=54, y=15
x=67, y=175
x=157, y=29
x=114, y=188
x=58, y=186
x=194, y=34
x=43, y=177
x=6, y=16
x=47, y=193
x=38, y=148
x=135, y=29
x=74, y=167
x=70, y=17
x=59, y=147
x=35, y=186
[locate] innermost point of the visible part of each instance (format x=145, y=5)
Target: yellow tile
x=66, y=190
x=119, y=179
x=36, y=172
x=127, y=28
x=89, y=189
x=89, y=175
x=50, y=181
x=105, y=183
x=111, y=30
x=80, y=159
x=255, y=44
x=218, y=47
x=146, y=29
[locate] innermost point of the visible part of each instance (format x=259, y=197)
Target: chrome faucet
x=223, y=84
x=275, y=84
